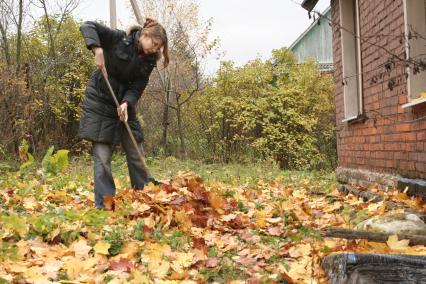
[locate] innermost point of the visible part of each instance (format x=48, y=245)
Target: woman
x=127, y=60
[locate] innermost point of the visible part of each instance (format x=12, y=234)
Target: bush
x=275, y=109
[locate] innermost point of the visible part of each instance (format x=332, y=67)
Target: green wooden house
x=316, y=42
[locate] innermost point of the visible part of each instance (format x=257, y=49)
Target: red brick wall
x=387, y=141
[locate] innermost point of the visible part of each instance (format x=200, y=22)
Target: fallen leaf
x=139, y=278
x=229, y=217
x=181, y=261
x=179, y=276
x=81, y=248
x=158, y=268
x=212, y=262
x=216, y=202
x=260, y=217
x=123, y=265
x=102, y=247
x=275, y=231
x=395, y=244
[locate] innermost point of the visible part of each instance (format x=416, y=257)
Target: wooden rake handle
x=144, y=167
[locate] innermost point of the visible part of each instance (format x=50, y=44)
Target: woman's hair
x=152, y=28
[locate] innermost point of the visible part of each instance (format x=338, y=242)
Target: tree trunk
x=5, y=44
x=52, y=51
x=223, y=150
x=19, y=37
x=180, y=129
x=166, y=120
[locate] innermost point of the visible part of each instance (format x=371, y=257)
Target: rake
x=142, y=160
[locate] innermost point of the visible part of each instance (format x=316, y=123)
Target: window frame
x=351, y=59
x=413, y=16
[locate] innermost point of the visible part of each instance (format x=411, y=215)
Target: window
x=351, y=58
x=415, y=25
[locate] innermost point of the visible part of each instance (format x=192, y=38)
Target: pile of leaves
x=182, y=231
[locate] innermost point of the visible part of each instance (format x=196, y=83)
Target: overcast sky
x=246, y=28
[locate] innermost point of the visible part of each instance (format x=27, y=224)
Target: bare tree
x=188, y=47
x=19, y=36
x=3, y=32
x=64, y=9
x=8, y=10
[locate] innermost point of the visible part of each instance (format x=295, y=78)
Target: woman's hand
x=122, y=111
x=100, y=60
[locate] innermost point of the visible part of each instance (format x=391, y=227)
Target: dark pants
x=104, y=182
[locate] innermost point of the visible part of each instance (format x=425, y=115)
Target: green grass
x=81, y=173
x=235, y=174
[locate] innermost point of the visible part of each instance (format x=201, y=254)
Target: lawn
x=208, y=223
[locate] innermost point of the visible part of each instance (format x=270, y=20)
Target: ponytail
x=154, y=29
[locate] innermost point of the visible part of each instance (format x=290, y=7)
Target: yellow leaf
x=394, y=244
x=182, y=261
x=416, y=250
x=139, y=278
x=373, y=207
x=286, y=206
x=274, y=220
x=300, y=250
x=199, y=255
x=373, y=246
x=89, y=263
x=92, y=236
x=183, y=220
x=261, y=219
x=178, y=276
x=155, y=251
x=159, y=269
x=16, y=267
x=30, y=203
x=102, y=247
x=36, y=275
x=73, y=268
x=21, y=185
x=40, y=248
x=141, y=207
x=23, y=247
x=151, y=187
x=117, y=182
x=216, y=201
x=330, y=243
x=51, y=268
x=149, y=221
x=129, y=251
x=80, y=248
x=298, y=270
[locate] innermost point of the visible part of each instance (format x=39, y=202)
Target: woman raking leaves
x=126, y=59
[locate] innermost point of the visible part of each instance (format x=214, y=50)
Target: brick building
x=380, y=109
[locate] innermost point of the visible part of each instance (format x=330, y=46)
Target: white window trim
x=413, y=100
x=414, y=103
x=355, y=74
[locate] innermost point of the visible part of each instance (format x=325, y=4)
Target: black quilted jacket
x=128, y=73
